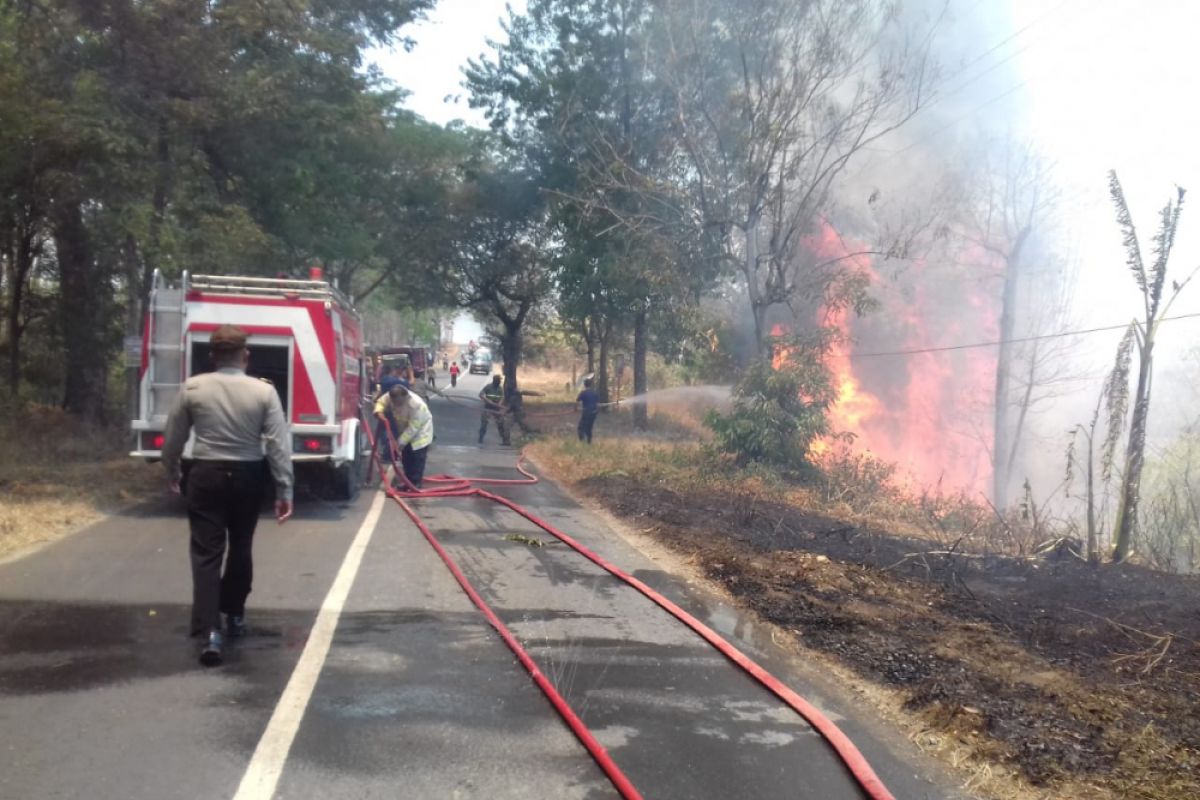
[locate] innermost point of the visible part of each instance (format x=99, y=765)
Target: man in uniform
x=414, y=423
x=588, y=403
x=232, y=415
x=492, y=396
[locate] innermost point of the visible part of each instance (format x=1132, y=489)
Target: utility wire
x=1018, y=340
x=947, y=126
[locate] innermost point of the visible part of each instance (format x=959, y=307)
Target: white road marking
x=266, y=765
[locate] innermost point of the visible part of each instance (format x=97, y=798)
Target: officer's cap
x=228, y=338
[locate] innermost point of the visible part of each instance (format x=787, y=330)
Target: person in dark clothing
x=231, y=416
x=588, y=404
x=515, y=403
x=492, y=396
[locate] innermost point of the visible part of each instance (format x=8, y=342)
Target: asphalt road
x=101, y=695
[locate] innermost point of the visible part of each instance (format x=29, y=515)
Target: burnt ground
x=1079, y=677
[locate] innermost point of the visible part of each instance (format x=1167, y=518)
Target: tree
x=1151, y=283
x=573, y=90
x=498, y=254
x=167, y=134
x=780, y=405
x=1010, y=200
x=772, y=100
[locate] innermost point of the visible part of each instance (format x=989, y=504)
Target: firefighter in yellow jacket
x=412, y=423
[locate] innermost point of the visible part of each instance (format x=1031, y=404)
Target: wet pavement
x=101, y=695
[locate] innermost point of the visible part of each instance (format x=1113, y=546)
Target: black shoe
x=211, y=655
x=235, y=625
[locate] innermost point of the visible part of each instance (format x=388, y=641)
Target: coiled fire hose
x=452, y=486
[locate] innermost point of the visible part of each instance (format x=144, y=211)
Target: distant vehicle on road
x=401, y=359
x=481, y=363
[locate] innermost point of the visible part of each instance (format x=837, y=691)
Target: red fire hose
x=451, y=486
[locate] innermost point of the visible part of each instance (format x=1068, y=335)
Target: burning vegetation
x=899, y=395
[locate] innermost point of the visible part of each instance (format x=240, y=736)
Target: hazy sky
x=1097, y=84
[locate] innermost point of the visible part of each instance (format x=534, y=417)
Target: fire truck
x=304, y=336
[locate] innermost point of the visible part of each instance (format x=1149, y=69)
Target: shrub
x=779, y=408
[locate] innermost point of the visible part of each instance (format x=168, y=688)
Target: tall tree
x=772, y=100
x=575, y=91
x=1151, y=282
x=498, y=252
x=1009, y=201
x=234, y=136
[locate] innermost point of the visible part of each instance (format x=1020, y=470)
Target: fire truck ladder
x=166, y=367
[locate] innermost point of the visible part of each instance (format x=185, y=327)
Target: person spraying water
x=588, y=404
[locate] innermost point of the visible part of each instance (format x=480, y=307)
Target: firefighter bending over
x=408, y=415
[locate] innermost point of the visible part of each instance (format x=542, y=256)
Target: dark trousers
x=223, y=499
x=413, y=463
x=501, y=425
x=587, y=421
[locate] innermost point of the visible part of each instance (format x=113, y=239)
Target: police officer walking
x=232, y=415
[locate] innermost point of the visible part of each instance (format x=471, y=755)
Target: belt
x=227, y=464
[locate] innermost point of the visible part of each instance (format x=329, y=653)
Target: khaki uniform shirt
x=232, y=415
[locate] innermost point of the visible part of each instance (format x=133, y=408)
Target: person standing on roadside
x=414, y=422
x=492, y=396
x=232, y=415
x=588, y=404
x=454, y=374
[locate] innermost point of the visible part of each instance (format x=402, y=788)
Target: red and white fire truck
x=304, y=336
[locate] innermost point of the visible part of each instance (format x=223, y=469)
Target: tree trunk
x=1002, y=443
x=1022, y=413
x=136, y=308
x=758, y=303
x=18, y=281
x=162, y=191
x=1093, y=541
x=83, y=297
x=640, y=412
x=1135, y=452
x=601, y=380
x=510, y=351
x=589, y=335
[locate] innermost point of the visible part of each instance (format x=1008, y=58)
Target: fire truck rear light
x=313, y=444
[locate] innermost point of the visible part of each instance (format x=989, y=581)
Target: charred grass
x=57, y=475
x=1082, y=680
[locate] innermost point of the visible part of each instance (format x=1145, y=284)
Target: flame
x=781, y=354
x=926, y=412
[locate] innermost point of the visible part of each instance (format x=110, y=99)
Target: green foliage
x=241, y=137
x=779, y=410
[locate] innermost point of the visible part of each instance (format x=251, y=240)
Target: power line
x=947, y=126
x=1054, y=10
x=1018, y=340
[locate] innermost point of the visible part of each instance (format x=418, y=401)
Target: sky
x=455, y=32
x=1096, y=84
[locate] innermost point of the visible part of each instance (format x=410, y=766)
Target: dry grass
x=555, y=385
x=57, y=476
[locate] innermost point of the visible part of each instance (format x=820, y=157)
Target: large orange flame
x=927, y=412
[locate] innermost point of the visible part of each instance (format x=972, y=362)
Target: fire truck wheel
x=347, y=479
